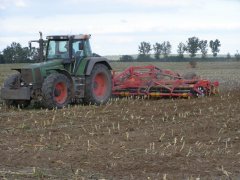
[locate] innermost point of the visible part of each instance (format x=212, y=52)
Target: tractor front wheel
x=98, y=87
x=56, y=91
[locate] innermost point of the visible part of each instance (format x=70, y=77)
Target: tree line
x=162, y=50
x=15, y=53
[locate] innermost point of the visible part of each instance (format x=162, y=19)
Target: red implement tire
x=56, y=91
x=98, y=88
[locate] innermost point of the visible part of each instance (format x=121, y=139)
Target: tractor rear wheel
x=11, y=82
x=98, y=88
x=56, y=90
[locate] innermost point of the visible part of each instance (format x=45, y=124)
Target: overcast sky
x=118, y=26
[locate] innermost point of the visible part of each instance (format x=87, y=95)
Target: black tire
x=190, y=75
x=56, y=91
x=11, y=82
x=98, y=87
x=202, y=92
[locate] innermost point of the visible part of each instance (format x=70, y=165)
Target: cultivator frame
x=152, y=81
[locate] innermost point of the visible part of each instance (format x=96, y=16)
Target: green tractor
x=69, y=73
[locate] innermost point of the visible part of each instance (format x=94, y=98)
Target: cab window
x=58, y=49
x=76, y=52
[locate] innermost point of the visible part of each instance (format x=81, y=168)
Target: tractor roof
x=80, y=36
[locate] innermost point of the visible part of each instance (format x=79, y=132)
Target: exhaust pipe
x=41, y=46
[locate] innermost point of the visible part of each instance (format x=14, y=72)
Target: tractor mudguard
x=63, y=71
x=94, y=60
x=22, y=93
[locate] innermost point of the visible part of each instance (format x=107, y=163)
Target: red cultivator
x=152, y=81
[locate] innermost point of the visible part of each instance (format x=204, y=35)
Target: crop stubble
x=129, y=138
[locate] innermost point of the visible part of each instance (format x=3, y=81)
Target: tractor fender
x=62, y=71
x=96, y=60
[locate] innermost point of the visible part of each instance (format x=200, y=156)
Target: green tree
x=126, y=58
x=214, y=45
x=158, y=49
x=144, y=48
x=2, y=61
x=15, y=53
x=193, y=46
x=229, y=56
x=8, y=54
x=203, y=47
x=166, y=48
x=181, y=49
x=237, y=56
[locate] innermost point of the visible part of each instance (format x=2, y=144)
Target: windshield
x=58, y=49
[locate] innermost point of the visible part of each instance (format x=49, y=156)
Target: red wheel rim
x=60, y=92
x=100, y=85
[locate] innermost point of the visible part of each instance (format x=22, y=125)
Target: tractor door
x=78, y=53
x=77, y=48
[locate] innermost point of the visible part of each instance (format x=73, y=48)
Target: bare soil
x=128, y=138
x=125, y=139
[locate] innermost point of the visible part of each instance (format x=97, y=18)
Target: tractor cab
x=68, y=48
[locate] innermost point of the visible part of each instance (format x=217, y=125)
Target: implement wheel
x=56, y=91
x=98, y=85
x=201, y=92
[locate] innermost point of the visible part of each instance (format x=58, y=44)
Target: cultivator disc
x=152, y=81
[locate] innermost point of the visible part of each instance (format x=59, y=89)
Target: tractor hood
x=35, y=73
x=47, y=64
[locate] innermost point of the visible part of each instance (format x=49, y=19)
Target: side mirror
x=80, y=46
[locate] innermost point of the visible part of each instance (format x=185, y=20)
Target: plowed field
x=128, y=138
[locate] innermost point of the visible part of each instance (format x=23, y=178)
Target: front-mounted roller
x=69, y=74
x=15, y=96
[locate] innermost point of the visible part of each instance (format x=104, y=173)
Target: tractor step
x=79, y=86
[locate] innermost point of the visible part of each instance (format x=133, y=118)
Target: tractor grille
x=27, y=75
